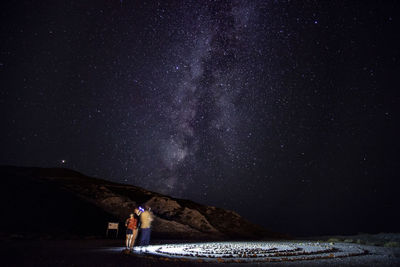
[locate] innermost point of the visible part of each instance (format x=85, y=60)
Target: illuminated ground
x=110, y=253
x=246, y=252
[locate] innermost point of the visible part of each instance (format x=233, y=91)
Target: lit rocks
x=253, y=251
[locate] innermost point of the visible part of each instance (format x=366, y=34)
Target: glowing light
x=252, y=251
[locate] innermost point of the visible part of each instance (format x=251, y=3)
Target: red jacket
x=131, y=223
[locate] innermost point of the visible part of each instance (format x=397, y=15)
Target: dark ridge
x=32, y=206
x=59, y=202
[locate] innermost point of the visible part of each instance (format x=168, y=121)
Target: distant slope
x=63, y=202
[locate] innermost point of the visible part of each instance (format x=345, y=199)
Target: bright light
x=252, y=251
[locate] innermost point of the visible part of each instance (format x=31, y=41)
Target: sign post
x=112, y=226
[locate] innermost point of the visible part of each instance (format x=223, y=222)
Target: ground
x=110, y=253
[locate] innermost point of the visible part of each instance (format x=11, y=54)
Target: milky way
x=202, y=105
x=274, y=109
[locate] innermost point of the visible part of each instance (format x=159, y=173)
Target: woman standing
x=131, y=228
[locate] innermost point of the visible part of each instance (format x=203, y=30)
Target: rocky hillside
x=64, y=202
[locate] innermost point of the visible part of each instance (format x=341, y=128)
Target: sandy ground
x=109, y=253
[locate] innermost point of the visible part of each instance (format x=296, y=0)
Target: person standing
x=131, y=229
x=135, y=231
x=145, y=226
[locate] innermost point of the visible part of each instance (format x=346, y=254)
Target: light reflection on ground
x=251, y=251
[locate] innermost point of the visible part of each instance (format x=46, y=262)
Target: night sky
x=284, y=111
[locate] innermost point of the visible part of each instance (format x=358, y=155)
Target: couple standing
x=140, y=218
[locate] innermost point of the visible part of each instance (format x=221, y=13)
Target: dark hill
x=64, y=203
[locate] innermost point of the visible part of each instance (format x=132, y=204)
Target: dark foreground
x=109, y=253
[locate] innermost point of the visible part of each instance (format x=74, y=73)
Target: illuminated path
x=252, y=251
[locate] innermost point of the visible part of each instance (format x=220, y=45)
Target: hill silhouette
x=58, y=202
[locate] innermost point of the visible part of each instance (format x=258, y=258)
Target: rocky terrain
x=62, y=202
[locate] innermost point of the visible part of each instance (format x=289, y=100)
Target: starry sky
x=284, y=111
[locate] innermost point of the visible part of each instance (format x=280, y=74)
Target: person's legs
x=142, y=233
x=130, y=240
x=128, y=237
x=148, y=236
x=134, y=235
x=127, y=241
x=144, y=236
